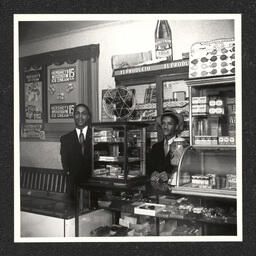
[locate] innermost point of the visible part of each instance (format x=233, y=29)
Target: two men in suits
x=160, y=164
x=76, y=149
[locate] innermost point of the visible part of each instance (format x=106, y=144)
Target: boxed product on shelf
x=219, y=102
x=226, y=140
x=100, y=171
x=206, y=140
x=175, y=104
x=200, y=109
x=148, y=209
x=111, y=158
x=105, y=133
x=219, y=110
x=201, y=181
x=200, y=100
x=231, y=181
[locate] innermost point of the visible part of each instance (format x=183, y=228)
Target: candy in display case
x=118, y=152
x=213, y=112
x=207, y=172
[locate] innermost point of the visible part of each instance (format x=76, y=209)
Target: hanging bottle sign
x=163, y=40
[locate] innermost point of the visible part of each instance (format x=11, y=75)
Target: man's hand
x=159, y=177
x=155, y=176
x=163, y=176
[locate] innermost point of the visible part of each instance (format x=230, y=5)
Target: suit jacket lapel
x=161, y=148
x=75, y=141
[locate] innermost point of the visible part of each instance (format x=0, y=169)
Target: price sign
x=62, y=110
x=62, y=75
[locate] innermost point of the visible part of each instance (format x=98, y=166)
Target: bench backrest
x=43, y=179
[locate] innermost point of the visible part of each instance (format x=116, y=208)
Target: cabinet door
x=213, y=115
x=173, y=95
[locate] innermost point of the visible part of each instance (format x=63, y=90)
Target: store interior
x=117, y=60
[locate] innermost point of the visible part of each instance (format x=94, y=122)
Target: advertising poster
x=63, y=91
x=33, y=96
x=62, y=110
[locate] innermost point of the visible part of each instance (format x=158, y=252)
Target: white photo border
x=123, y=17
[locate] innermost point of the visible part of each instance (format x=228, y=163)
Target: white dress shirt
x=170, y=141
x=84, y=132
x=172, y=179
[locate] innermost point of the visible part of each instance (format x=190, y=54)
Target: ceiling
x=35, y=30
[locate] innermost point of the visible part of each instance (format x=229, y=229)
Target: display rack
x=208, y=167
x=118, y=153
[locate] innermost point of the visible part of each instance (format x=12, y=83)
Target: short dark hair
x=86, y=107
x=170, y=115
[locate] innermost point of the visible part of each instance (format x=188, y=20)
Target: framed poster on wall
x=64, y=91
x=33, y=95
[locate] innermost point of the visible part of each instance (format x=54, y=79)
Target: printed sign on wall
x=63, y=91
x=62, y=110
x=60, y=75
x=33, y=96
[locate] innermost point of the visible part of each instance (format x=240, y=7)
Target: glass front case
x=207, y=172
x=175, y=96
x=145, y=98
x=118, y=151
x=213, y=115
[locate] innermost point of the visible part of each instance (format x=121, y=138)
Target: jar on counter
x=177, y=150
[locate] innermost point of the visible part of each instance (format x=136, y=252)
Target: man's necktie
x=81, y=140
x=166, y=147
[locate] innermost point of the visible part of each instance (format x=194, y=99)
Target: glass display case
x=119, y=152
x=208, y=166
x=175, y=96
x=207, y=172
x=212, y=112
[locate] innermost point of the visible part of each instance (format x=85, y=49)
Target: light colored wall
x=40, y=154
x=130, y=37
x=117, y=38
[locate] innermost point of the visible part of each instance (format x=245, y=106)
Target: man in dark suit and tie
x=76, y=149
x=160, y=166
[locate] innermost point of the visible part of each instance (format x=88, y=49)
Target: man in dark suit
x=161, y=160
x=76, y=149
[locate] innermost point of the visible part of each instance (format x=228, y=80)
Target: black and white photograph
x=127, y=128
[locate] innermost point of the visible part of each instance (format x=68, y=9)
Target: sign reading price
x=62, y=75
x=62, y=111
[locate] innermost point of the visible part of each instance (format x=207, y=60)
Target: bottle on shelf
x=163, y=40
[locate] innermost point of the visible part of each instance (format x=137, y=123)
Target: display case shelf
x=208, y=167
x=220, y=193
x=212, y=110
x=208, y=171
x=118, y=152
x=216, y=146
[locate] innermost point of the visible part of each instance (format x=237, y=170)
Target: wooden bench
x=44, y=191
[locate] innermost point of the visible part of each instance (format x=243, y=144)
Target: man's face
x=168, y=126
x=81, y=117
